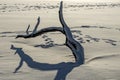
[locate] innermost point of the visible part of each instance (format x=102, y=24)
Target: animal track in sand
x=1, y=56
x=77, y=34
x=45, y=5
x=48, y=42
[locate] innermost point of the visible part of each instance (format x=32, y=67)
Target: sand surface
x=96, y=26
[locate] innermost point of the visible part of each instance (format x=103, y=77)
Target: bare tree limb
x=42, y=31
x=76, y=48
x=35, y=29
x=27, y=32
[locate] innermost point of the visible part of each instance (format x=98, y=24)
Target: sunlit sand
x=96, y=26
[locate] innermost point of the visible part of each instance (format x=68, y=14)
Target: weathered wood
x=27, y=32
x=36, y=26
x=40, y=32
x=76, y=48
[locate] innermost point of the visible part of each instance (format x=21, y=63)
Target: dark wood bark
x=76, y=48
x=40, y=32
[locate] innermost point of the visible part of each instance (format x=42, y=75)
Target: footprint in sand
x=48, y=42
x=110, y=41
x=44, y=36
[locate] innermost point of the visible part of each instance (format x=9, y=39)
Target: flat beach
x=95, y=25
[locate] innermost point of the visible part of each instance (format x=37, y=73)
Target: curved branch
x=61, y=14
x=62, y=21
x=76, y=48
x=42, y=31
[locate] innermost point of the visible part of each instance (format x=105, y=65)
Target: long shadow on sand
x=63, y=69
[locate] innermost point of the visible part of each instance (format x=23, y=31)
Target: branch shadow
x=63, y=68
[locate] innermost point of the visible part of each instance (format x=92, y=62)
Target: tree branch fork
x=75, y=47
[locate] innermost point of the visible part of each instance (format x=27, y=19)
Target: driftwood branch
x=76, y=48
x=27, y=32
x=40, y=32
x=36, y=26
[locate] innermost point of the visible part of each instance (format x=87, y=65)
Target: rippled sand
x=94, y=25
